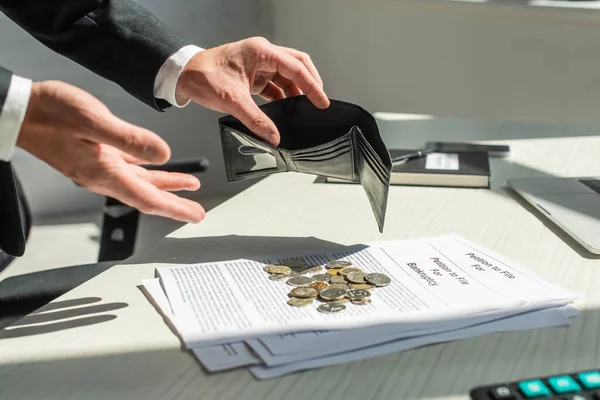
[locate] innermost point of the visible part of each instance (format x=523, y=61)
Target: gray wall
x=190, y=132
x=513, y=63
x=499, y=61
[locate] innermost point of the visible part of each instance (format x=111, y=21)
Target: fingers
x=306, y=60
x=170, y=181
x=141, y=144
x=289, y=67
x=249, y=114
x=272, y=92
x=289, y=88
x=129, y=159
x=131, y=189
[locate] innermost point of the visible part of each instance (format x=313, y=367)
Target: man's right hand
x=76, y=134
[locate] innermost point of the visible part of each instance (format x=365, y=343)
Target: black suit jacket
x=117, y=39
x=12, y=232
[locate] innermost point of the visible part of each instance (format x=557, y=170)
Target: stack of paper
x=229, y=315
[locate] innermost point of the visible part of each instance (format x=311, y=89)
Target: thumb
x=248, y=112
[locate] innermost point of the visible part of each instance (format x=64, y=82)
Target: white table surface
x=104, y=340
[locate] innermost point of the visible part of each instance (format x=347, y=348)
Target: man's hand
x=76, y=134
x=225, y=78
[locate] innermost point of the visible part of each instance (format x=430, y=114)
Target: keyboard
x=583, y=385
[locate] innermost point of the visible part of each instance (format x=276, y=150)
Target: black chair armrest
x=183, y=166
x=120, y=222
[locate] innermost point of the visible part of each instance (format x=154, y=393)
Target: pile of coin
x=339, y=284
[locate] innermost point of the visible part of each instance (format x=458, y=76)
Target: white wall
x=493, y=61
x=190, y=132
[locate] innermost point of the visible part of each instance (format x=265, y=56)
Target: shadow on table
x=62, y=315
x=434, y=371
x=230, y=247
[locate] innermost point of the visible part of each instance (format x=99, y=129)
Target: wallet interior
x=302, y=125
x=341, y=141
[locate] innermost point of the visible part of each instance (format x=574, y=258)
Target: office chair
x=23, y=294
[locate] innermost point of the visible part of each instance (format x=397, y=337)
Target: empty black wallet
x=342, y=141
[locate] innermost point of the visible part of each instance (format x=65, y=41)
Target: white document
x=434, y=280
x=538, y=319
x=335, y=342
x=214, y=358
x=500, y=275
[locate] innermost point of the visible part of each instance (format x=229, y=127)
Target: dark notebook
x=454, y=169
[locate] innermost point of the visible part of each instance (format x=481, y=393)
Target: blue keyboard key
x=563, y=384
x=534, y=388
x=590, y=379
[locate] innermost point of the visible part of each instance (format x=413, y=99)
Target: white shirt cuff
x=12, y=114
x=168, y=75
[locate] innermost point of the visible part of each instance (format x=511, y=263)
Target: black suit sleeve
x=5, y=77
x=12, y=236
x=116, y=39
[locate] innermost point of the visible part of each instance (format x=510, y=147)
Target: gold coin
x=298, y=302
x=267, y=268
x=304, y=292
x=333, y=271
x=280, y=269
x=318, y=285
x=338, y=280
x=347, y=270
x=363, y=286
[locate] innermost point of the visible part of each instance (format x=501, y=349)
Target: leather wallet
x=341, y=141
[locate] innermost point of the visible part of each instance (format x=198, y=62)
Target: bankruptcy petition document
x=432, y=281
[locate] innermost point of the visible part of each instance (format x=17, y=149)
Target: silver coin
x=299, y=280
x=357, y=294
x=338, y=264
x=356, y=277
x=321, y=277
x=338, y=286
x=315, y=269
x=348, y=270
x=294, y=263
x=340, y=301
x=332, y=293
x=378, y=279
x=331, y=308
x=278, y=277
x=338, y=280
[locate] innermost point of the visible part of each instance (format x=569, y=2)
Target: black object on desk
x=493, y=150
x=404, y=158
x=120, y=222
x=581, y=385
x=468, y=169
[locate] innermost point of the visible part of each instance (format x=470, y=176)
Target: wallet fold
x=342, y=141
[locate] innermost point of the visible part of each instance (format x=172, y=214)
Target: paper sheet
x=537, y=319
x=214, y=358
x=525, y=286
x=433, y=280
